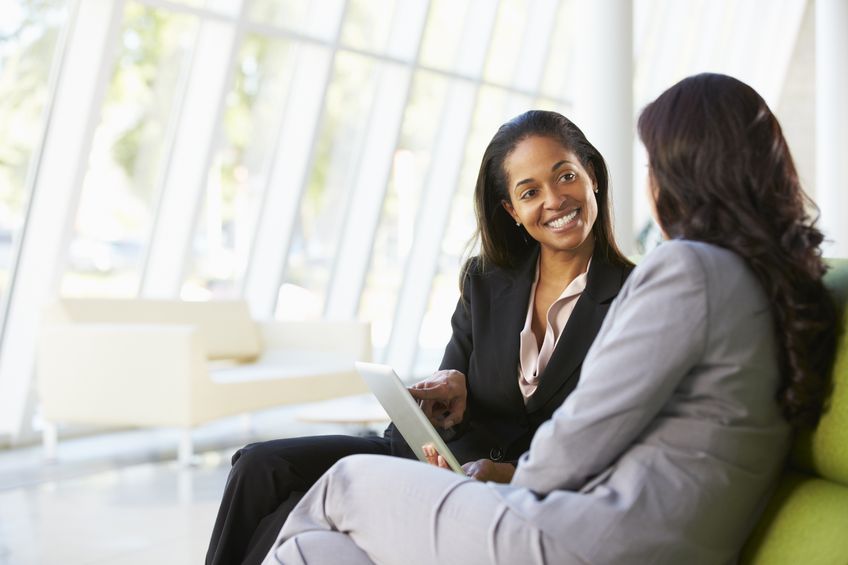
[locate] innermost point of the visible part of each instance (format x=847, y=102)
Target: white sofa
x=175, y=363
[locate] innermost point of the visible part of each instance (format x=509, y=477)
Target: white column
x=86, y=67
x=832, y=123
x=185, y=181
x=287, y=178
x=603, y=99
x=369, y=189
x=294, y=155
x=430, y=224
x=434, y=209
x=541, y=19
x=393, y=83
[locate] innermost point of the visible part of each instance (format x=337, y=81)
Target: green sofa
x=806, y=521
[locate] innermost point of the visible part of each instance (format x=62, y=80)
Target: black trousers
x=264, y=485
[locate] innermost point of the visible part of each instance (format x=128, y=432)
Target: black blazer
x=485, y=347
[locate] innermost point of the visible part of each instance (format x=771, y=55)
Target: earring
x=517, y=223
x=596, y=190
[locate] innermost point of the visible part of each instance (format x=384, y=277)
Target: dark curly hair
x=501, y=242
x=722, y=173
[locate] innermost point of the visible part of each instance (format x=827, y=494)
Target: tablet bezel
x=405, y=412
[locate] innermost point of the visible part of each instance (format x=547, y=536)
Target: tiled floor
x=126, y=515
x=120, y=498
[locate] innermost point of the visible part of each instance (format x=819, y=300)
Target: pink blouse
x=532, y=358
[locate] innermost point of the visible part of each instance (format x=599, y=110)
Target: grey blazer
x=666, y=450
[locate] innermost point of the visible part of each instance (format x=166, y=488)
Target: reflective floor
x=121, y=498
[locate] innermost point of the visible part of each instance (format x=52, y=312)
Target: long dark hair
x=506, y=245
x=722, y=173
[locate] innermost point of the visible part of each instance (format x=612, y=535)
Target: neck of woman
x=561, y=267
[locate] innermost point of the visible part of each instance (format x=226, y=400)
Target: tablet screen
x=404, y=411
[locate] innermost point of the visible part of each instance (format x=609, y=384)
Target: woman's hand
x=488, y=470
x=433, y=457
x=482, y=469
x=442, y=397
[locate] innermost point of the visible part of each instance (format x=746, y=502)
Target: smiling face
x=552, y=195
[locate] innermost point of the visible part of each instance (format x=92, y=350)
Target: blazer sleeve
x=458, y=350
x=457, y=356
x=653, y=336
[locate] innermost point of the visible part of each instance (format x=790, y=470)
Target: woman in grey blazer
x=665, y=452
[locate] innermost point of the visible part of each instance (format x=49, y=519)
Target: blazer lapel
x=509, y=310
x=603, y=283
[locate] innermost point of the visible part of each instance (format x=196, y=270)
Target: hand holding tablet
x=405, y=413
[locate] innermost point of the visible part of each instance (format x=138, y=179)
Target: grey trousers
x=375, y=509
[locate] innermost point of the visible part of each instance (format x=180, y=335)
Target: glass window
x=29, y=31
x=331, y=180
x=367, y=24
x=505, y=46
x=224, y=7
x=396, y=229
x=129, y=154
x=240, y=167
x=388, y=27
x=443, y=34
x=314, y=18
x=558, y=76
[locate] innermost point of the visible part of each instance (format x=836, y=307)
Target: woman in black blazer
x=498, y=425
x=536, y=236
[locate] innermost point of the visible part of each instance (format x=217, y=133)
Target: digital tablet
x=404, y=411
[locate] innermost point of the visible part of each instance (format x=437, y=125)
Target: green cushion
x=806, y=522
x=824, y=452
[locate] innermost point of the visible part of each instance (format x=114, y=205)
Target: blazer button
x=496, y=454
